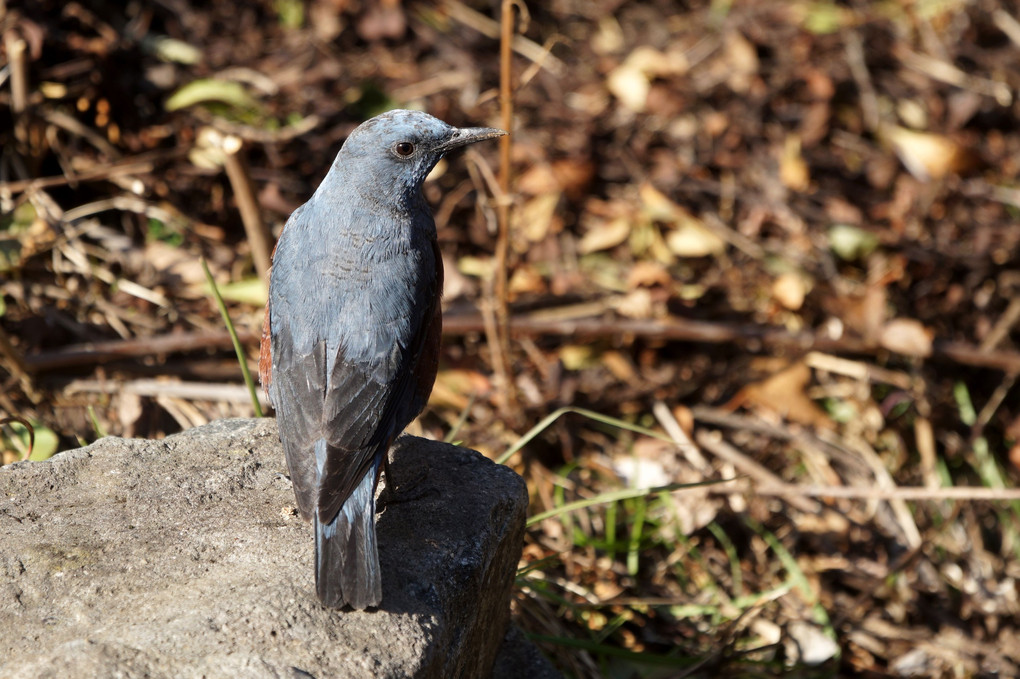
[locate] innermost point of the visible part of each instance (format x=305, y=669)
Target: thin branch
x=904, y=493
x=683, y=442
x=140, y=164
x=191, y=391
x=752, y=338
x=259, y=237
x=17, y=367
x=1003, y=326
x=16, y=47
x=103, y=352
x=1007, y=24
x=859, y=71
x=501, y=350
x=945, y=72
x=526, y=48
x=714, y=443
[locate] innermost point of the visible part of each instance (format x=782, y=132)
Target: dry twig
x=244, y=191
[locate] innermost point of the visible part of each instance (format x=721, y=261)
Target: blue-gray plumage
x=350, y=343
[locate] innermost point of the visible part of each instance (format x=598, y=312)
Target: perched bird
x=350, y=344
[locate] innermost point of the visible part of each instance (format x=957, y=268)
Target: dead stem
x=19, y=72
x=501, y=352
x=750, y=337
x=258, y=234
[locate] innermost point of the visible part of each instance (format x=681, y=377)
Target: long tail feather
x=346, y=555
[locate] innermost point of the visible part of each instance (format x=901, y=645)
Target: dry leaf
x=608, y=37
x=620, y=366
x=926, y=155
x=536, y=216
x=577, y=356
x=793, y=170
x=872, y=311
x=685, y=418
x=631, y=81
x=129, y=411
x=604, y=235
x=654, y=63
x=689, y=236
x=646, y=274
x=573, y=176
x=606, y=590
x=906, y=336
x=635, y=304
x=526, y=279
x=630, y=86
x=742, y=60
x=657, y=206
x=382, y=20
x=454, y=388
x=784, y=394
x=569, y=175
x=862, y=314
x=477, y=267
x=536, y=180
x=789, y=290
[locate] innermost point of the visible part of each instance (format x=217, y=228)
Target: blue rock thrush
x=350, y=344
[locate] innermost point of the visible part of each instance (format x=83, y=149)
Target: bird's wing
x=370, y=403
x=297, y=391
x=346, y=347
x=292, y=369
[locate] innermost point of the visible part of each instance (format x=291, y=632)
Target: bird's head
x=397, y=149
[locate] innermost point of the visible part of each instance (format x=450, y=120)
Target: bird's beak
x=462, y=136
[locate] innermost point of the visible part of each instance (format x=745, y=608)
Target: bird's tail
x=346, y=556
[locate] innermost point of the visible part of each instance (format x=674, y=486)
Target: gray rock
x=185, y=558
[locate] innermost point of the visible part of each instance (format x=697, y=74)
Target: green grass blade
x=97, y=426
x=238, y=349
x=616, y=495
x=731, y=555
x=634, y=545
x=797, y=577
x=590, y=414
x=611, y=513
x=455, y=429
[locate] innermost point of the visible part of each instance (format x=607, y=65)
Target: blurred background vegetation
x=775, y=242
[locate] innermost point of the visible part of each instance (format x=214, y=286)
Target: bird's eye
x=403, y=148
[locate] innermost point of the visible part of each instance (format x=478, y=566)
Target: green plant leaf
x=42, y=440
x=616, y=495
x=248, y=291
x=238, y=349
x=590, y=414
x=851, y=243
x=210, y=90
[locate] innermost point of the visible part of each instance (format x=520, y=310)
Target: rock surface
x=185, y=557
